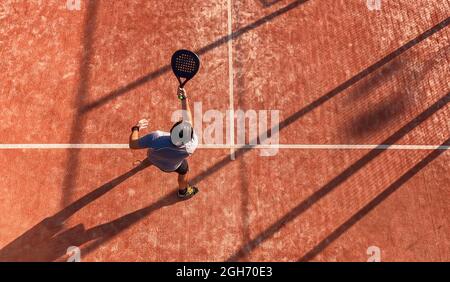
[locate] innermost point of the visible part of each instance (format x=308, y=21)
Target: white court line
x=230, y=77
x=235, y=147
x=328, y=146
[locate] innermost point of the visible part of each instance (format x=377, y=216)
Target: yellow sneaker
x=190, y=191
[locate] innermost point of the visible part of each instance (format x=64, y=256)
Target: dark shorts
x=183, y=168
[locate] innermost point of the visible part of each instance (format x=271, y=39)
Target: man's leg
x=183, y=183
x=185, y=190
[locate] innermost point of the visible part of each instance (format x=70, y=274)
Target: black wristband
x=135, y=128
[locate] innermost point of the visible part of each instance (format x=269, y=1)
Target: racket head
x=185, y=64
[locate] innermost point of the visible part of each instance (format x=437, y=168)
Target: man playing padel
x=169, y=151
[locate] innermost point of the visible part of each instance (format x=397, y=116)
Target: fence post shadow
x=164, y=69
x=333, y=236
x=81, y=94
x=37, y=244
x=339, y=179
x=133, y=217
x=268, y=3
x=49, y=227
x=40, y=237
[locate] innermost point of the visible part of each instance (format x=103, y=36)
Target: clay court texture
x=356, y=102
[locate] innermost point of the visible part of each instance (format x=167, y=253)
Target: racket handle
x=179, y=80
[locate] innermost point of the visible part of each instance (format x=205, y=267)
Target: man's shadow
x=48, y=241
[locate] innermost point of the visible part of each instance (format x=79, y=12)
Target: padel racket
x=185, y=64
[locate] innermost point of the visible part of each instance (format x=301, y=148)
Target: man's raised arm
x=187, y=116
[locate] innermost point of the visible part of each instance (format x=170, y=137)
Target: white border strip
x=230, y=77
x=235, y=147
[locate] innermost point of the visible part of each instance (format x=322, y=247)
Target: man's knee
x=183, y=169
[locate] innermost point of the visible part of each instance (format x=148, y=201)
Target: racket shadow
x=387, y=107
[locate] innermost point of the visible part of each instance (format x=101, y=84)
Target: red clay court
x=364, y=130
